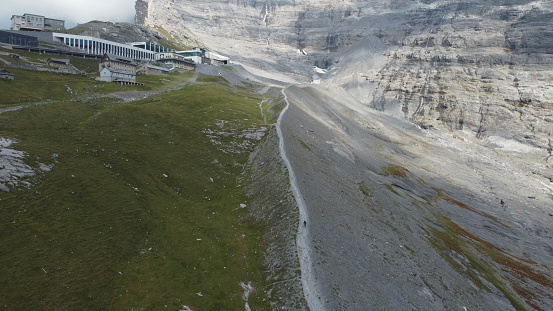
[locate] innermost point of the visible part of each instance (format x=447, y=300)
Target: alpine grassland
x=143, y=207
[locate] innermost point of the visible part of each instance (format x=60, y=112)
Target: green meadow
x=141, y=209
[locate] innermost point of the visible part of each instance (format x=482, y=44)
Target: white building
x=117, y=69
x=203, y=56
x=194, y=55
x=95, y=46
x=18, y=22
x=27, y=22
x=151, y=47
x=217, y=59
x=174, y=61
x=119, y=76
x=35, y=22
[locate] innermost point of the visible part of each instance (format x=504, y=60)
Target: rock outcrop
x=477, y=67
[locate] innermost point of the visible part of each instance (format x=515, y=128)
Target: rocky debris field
x=406, y=218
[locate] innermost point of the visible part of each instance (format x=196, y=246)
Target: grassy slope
x=81, y=237
x=33, y=86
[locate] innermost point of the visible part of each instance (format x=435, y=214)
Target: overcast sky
x=72, y=11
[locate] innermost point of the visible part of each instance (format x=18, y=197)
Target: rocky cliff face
x=477, y=67
x=318, y=25
x=482, y=66
x=288, y=35
x=118, y=32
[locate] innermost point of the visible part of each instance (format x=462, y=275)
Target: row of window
x=107, y=48
x=117, y=65
x=171, y=56
x=191, y=54
x=152, y=47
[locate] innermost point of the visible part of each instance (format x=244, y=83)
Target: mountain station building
x=36, y=22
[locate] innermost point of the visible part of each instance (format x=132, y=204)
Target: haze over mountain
x=422, y=163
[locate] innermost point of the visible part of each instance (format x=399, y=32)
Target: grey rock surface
x=481, y=66
x=403, y=218
x=13, y=169
x=424, y=158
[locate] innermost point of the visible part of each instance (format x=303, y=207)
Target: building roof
x=218, y=56
x=40, y=36
x=156, y=67
x=117, y=58
x=23, y=27
x=55, y=19
x=31, y=14
x=59, y=60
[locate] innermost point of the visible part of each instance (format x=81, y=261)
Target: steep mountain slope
x=424, y=160
x=401, y=218
x=476, y=67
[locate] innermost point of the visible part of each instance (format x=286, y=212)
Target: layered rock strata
x=481, y=66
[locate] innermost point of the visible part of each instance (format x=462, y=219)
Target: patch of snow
x=511, y=145
x=319, y=70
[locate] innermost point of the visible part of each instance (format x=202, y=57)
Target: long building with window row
x=95, y=46
x=151, y=47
